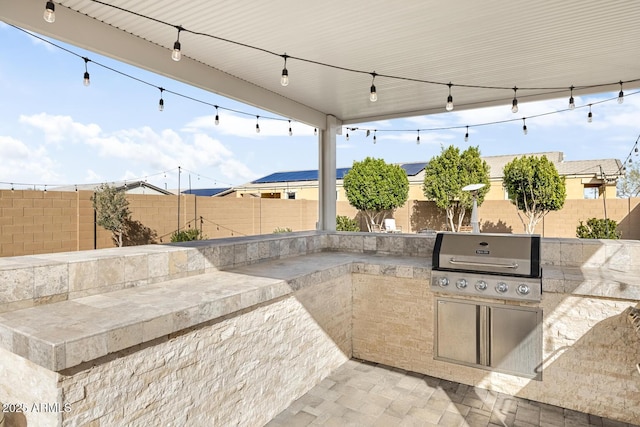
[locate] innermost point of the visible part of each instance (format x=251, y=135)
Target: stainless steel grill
x=504, y=266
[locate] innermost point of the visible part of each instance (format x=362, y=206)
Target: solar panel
x=206, y=192
x=413, y=168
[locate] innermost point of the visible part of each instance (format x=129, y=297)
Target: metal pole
x=178, y=200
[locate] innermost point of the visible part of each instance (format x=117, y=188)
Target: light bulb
x=514, y=103
x=524, y=129
x=161, y=105
x=176, y=55
x=290, y=130
x=257, y=128
x=373, y=96
x=315, y=131
x=466, y=135
x=217, y=120
x=86, y=81
x=284, y=79
x=50, y=12
x=620, y=94
x=418, y=140
x=375, y=139
x=449, y=106
x=347, y=137
x=572, y=104
x=590, y=115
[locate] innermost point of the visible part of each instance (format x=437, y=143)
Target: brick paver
x=369, y=394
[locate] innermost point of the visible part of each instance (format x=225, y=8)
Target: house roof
x=312, y=175
x=127, y=186
x=542, y=47
x=206, y=192
x=610, y=167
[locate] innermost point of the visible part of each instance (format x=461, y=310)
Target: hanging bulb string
x=337, y=67
x=496, y=122
x=139, y=80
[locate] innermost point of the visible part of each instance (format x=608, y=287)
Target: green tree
x=629, y=184
x=112, y=211
x=344, y=223
x=445, y=176
x=535, y=188
x=597, y=228
x=375, y=188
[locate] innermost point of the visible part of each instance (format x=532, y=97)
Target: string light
x=176, y=54
x=284, y=78
x=590, y=115
x=572, y=104
x=466, y=135
x=418, y=138
x=315, y=131
x=290, y=130
x=161, y=102
x=86, y=81
x=373, y=95
x=374, y=136
x=50, y=12
x=217, y=119
x=621, y=94
x=347, y=135
x=514, y=103
x=449, y=105
x=257, y=124
x=524, y=126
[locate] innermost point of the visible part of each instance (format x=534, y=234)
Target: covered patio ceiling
x=548, y=45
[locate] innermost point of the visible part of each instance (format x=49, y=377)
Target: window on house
x=291, y=195
x=591, y=192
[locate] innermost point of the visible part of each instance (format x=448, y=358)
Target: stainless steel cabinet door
x=457, y=331
x=516, y=341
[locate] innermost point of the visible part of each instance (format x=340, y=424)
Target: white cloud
x=143, y=148
x=245, y=126
x=60, y=128
x=24, y=164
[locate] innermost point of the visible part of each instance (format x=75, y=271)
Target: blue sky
x=55, y=131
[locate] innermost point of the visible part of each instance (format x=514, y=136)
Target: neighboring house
x=585, y=179
x=133, y=187
x=209, y=192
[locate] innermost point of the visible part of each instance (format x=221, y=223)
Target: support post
x=327, y=190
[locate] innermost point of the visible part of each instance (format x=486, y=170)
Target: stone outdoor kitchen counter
x=64, y=334
x=122, y=335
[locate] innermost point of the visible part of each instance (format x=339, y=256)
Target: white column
x=327, y=174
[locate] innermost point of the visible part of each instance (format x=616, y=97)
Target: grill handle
x=482, y=264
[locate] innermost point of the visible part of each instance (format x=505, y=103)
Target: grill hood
x=503, y=254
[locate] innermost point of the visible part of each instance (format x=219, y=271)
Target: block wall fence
x=34, y=222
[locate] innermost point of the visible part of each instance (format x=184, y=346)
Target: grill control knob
x=443, y=282
x=481, y=285
x=502, y=287
x=461, y=283
x=523, y=289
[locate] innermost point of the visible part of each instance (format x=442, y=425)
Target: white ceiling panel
x=541, y=44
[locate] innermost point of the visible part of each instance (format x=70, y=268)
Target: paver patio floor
x=367, y=394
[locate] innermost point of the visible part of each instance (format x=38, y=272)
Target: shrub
x=344, y=223
x=282, y=230
x=186, y=235
x=597, y=228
